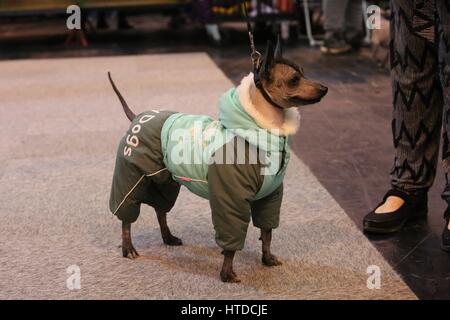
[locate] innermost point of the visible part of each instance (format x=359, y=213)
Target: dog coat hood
x=191, y=142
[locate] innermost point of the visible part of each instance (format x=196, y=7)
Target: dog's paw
x=229, y=276
x=128, y=251
x=271, y=260
x=172, y=241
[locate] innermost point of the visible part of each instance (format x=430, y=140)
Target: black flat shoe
x=446, y=236
x=415, y=207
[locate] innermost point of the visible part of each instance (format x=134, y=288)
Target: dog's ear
x=278, y=50
x=269, y=59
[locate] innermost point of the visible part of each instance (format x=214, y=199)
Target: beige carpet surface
x=60, y=124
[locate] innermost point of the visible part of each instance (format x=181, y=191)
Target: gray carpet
x=59, y=127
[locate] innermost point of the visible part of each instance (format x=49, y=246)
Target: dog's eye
x=293, y=81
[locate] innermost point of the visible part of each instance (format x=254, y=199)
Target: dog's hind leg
x=268, y=258
x=227, y=273
x=167, y=236
x=128, y=251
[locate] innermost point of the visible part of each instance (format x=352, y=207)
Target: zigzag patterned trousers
x=420, y=73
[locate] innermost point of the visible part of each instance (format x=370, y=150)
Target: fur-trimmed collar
x=291, y=115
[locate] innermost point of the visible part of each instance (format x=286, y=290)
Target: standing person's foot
x=394, y=211
x=446, y=233
x=214, y=35
x=355, y=40
x=335, y=44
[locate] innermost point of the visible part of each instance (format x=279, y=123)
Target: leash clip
x=255, y=55
x=256, y=59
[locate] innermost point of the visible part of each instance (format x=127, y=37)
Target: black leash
x=256, y=61
x=255, y=55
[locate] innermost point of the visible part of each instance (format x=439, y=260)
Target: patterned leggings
x=420, y=72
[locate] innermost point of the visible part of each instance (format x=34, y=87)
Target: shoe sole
x=324, y=49
x=384, y=230
x=327, y=50
x=369, y=229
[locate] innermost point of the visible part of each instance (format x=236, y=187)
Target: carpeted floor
x=59, y=127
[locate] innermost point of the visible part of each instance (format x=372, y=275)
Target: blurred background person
x=343, y=26
x=202, y=11
x=104, y=16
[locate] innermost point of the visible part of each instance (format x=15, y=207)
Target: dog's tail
x=130, y=115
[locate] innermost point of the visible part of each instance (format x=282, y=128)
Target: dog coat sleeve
x=232, y=189
x=266, y=211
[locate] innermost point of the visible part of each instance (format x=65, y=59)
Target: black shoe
x=415, y=207
x=335, y=44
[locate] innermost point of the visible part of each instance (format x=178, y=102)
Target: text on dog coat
x=133, y=140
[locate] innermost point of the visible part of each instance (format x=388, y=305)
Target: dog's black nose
x=324, y=90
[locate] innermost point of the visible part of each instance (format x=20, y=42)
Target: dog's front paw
x=128, y=251
x=271, y=261
x=172, y=241
x=229, y=276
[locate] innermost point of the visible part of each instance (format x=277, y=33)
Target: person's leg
x=202, y=10
x=417, y=115
x=334, y=12
x=354, y=32
x=334, y=25
x=444, y=61
x=417, y=97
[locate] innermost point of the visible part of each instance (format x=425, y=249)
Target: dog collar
x=263, y=91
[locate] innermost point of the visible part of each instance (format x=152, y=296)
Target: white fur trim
x=291, y=115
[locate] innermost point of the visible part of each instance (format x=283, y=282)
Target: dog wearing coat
x=237, y=162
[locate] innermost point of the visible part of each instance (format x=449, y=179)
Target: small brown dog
x=147, y=171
